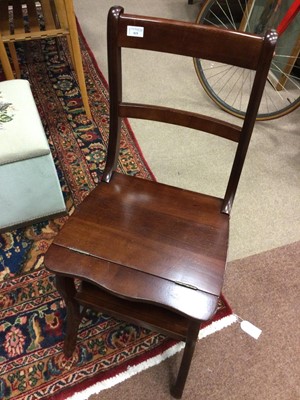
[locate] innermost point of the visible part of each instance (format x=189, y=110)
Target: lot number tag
x=135, y=31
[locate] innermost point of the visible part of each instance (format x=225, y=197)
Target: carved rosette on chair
x=144, y=251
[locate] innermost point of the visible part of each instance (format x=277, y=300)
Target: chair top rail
x=182, y=38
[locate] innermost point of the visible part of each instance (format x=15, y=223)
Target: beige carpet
x=265, y=223
x=230, y=365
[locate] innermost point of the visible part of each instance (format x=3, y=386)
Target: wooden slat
x=35, y=35
x=18, y=17
x=182, y=118
x=4, y=23
x=34, y=24
x=60, y=9
x=48, y=15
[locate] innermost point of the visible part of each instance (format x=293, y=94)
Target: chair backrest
x=188, y=39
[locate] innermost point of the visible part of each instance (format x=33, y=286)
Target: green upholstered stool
x=29, y=186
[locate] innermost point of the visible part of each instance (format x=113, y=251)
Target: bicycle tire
x=232, y=93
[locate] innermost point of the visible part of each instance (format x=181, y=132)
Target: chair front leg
x=67, y=290
x=191, y=340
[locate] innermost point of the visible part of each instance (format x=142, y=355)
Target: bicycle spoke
x=219, y=89
x=234, y=87
x=245, y=11
x=231, y=17
x=268, y=99
x=243, y=93
x=223, y=70
x=218, y=19
x=229, y=87
x=288, y=77
x=210, y=68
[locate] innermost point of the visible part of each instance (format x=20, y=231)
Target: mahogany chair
x=144, y=251
x=44, y=19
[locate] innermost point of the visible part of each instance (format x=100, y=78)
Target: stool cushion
x=30, y=192
x=30, y=189
x=21, y=132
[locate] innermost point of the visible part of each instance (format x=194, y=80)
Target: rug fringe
x=133, y=370
x=217, y=325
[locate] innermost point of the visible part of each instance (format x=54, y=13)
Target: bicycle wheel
x=229, y=86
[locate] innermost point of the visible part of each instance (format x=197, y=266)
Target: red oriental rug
x=32, y=364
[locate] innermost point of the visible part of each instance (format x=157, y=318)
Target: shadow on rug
x=32, y=364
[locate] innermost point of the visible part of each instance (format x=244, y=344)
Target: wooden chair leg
x=77, y=55
x=177, y=389
x=67, y=290
x=5, y=62
x=14, y=58
x=71, y=52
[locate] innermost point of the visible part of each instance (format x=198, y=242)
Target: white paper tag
x=135, y=31
x=251, y=329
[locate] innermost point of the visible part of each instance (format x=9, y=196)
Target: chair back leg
x=5, y=62
x=76, y=55
x=14, y=58
x=67, y=290
x=186, y=360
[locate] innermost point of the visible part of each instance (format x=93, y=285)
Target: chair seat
x=135, y=216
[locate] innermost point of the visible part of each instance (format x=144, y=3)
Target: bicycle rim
x=229, y=86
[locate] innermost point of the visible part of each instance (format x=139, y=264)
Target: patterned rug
x=32, y=365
